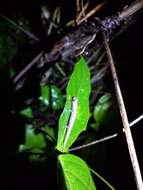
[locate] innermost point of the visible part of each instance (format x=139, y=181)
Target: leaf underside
x=76, y=173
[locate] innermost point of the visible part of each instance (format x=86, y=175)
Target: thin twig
x=28, y=67
x=47, y=134
x=28, y=33
x=102, y=179
x=136, y=120
x=60, y=69
x=129, y=139
x=93, y=11
x=104, y=138
x=93, y=142
x=78, y=5
x=99, y=75
x=82, y=12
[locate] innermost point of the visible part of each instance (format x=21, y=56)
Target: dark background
x=128, y=56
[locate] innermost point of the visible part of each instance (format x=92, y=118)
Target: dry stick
x=28, y=33
x=77, y=5
x=93, y=11
x=129, y=139
x=104, y=138
x=82, y=12
x=93, y=142
x=29, y=66
x=136, y=120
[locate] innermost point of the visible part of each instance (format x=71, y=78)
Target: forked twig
x=82, y=12
x=104, y=138
x=93, y=11
x=126, y=125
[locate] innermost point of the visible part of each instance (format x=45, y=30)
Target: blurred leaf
x=57, y=15
x=10, y=38
x=103, y=110
x=8, y=48
x=70, y=23
x=95, y=126
x=50, y=131
x=11, y=72
x=34, y=143
x=45, y=97
x=76, y=173
x=27, y=112
x=37, y=159
x=53, y=92
x=57, y=98
x=79, y=87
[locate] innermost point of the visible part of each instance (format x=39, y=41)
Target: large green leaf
x=79, y=88
x=76, y=173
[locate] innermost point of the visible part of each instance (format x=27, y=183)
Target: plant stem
x=102, y=179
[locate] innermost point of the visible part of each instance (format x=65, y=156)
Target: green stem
x=102, y=179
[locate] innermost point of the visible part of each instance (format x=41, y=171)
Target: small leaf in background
x=37, y=159
x=10, y=38
x=27, y=112
x=95, y=125
x=53, y=92
x=80, y=88
x=11, y=72
x=57, y=15
x=44, y=97
x=34, y=143
x=76, y=173
x=103, y=110
x=57, y=98
x=8, y=48
x=50, y=131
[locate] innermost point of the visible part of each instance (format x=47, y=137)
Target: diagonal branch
x=27, y=68
x=26, y=32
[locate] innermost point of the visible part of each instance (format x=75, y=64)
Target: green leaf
x=45, y=95
x=8, y=48
x=37, y=159
x=79, y=88
x=57, y=98
x=27, y=112
x=53, y=92
x=102, y=110
x=76, y=173
x=34, y=143
x=11, y=72
x=50, y=132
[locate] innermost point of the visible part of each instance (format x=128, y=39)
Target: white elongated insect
x=71, y=119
